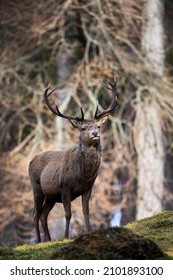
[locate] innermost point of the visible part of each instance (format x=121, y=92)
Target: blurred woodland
x=73, y=44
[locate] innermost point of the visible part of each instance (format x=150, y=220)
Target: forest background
x=73, y=44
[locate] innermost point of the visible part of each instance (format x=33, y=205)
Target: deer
x=62, y=176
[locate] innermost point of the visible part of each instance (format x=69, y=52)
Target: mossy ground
x=150, y=238
x=158, y=228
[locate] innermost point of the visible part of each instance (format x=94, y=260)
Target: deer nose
x=95, y=133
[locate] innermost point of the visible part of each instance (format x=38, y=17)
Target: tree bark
x=153, y=35
x=148, y=135
x=150, y=162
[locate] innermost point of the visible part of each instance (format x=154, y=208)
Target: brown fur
x=63, y=176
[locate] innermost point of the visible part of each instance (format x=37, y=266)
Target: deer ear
x=75, y=123
x=103, y=119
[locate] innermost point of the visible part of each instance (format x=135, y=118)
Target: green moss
x=112, y=243
x=158, y=228
x=149, y=238
x=39, y=251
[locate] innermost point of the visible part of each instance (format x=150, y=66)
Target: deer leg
x=68, y=218
x=66, y=200
x=38, y=207
x=36, y=223
x=48, y=205
x=85, y=206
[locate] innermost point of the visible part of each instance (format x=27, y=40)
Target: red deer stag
x=61, y=176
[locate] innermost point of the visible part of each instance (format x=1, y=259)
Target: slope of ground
x=158, y=228
x=149, y=238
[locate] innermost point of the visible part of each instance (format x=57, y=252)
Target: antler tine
x=82, y=114
x=105, y=84
x=113, y=102
x=56, y=110
x=46, y=99
x=97, y=108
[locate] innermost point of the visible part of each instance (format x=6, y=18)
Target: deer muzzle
x=94, y=134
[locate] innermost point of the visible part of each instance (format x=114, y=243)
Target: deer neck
x=91, y=148
x=90, y=156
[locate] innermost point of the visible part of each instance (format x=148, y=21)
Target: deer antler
x=56, y=110
x=113, y=102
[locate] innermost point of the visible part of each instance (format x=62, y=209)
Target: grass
x=150, y=238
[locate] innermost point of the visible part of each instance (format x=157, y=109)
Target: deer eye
x=83, y=128
x=98, y=126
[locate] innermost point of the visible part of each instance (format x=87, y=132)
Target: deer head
x=89, y=129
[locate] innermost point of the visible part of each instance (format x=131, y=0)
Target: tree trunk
x=148, y=136
x=150, y=161
x=153, y=35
